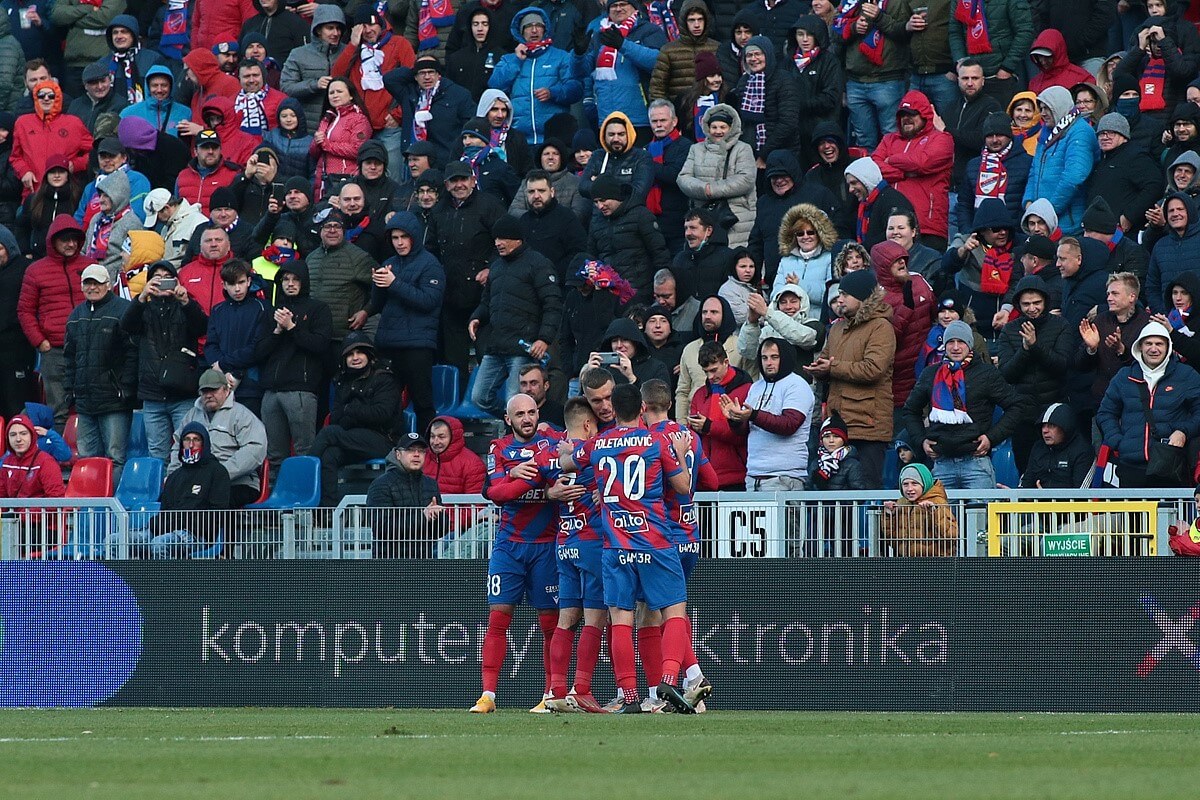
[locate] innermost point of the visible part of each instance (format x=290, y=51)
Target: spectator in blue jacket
x=234, y=328
x=1177, y=251
x=1159, y=381
x=434, y=107
x=1066, y=152
x=618, y=64
x=111, y=156
x=408, y=293
x=128, y=61
x=157, y=106
x=1005, y=177
x=538, y=78
x=290, y=139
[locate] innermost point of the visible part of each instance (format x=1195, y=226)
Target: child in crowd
x=744, y=279
x=835, y=466
x=950, y=308
x=921, y=523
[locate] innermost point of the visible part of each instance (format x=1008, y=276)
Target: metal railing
x=732, y=525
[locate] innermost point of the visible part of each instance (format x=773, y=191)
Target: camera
x=168, y=284
x=610, y=359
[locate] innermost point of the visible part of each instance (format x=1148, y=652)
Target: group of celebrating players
x=603, y=512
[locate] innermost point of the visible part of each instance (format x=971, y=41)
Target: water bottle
x=544, y=360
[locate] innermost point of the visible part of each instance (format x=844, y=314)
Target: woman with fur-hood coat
x=809, y=258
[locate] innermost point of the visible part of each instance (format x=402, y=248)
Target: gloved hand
x=611, y=37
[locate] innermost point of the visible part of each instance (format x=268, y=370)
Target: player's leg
x=695, y=686
x=665, y=587
x=595, y=617
x=649, y=640
x=620, y=590
x=542, y=576
x=570, y=611
x=505, y=589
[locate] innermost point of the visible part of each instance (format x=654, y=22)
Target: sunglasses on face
x=805, y=233
x=45, y=96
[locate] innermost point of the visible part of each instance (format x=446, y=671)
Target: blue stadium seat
x=410, y=420
x=137, y=446
x=141, y=483
x=298, y=485
x=891, y=468
x=445, y=388
x=1005, y=465
x=466, y=409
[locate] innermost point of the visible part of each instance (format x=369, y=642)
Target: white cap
x=96, y=273
x=155, y=201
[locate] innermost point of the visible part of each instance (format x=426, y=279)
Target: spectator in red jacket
x=724, y=447
x=257, y=103
x=47, y=132
x=912, y=301
x=207, y=80
x=216, y=21
x=51, y=289
x=456, y=469
x=201, y=276
x=1049, y=53
x=236, y=144
x=343, y=129
x=26, y=471
x=917, y=161
x=206, y=172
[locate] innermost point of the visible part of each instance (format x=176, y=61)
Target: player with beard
x=597, y=384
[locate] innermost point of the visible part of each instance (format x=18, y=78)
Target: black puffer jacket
x=764, y=236
x=162, y=328
x=1037, y=373
x=284, y=30
x=1063, y=466
x=848, y=478
x=1184, y=338
x=819, y=86
x=645, y=367
x=461, y=237
x=100, y=361
x=202, y=486
x=631, y=243
x=367, y=398
x=707, y=267
x=1129, y=181
x=833, y=178
x=294, y=360
x=522, y=300
x=781, y=111
x=585, y=319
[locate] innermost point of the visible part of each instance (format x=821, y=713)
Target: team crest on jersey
x=628, y=521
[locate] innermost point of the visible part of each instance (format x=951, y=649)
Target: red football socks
x=624, y=668
x=548, y=622
x=586, y=657
x=677, y=638
x=495, y=645
x=650, y=647
x=560, y=660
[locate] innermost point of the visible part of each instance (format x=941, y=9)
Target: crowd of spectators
x=939, y=227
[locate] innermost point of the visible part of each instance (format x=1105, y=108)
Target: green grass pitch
x=321, y=753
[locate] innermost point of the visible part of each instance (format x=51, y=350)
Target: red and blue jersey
x=526, y=514
x=682, y=508
x=631, y=467
x=578, y=520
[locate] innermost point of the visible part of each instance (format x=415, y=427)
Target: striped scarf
x=993, y=175
x=973, y=17
x=422, y=114
x=949, y=396
x=434, y=14
x=1154, y=80
x=127, y=79
x=174, y=30
x=843, y=25
x=254, y=112
x=803, y=58
x=660, y=14
x=754, y=101
x=606, y=57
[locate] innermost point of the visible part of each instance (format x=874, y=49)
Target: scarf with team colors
x=805, y=57
x=993, y=175
x=843, y=25
x=974, y=19
x=1154, y=79
x=606, y=58
x=434, y=14
x=949, y=396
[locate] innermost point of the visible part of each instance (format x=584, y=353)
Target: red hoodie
x=725, y=447
x=912, y=316
x=52, y=288
x=34, y=474
x=458, y=470
x=36, y=137
x=236, y=145
x=1062, y=72
x=919, y=168
x=217, y=21
x=213, y=82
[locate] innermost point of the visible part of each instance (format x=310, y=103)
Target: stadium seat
x=410, y=420
x=91, y=477
x=141, y=483
x=445, y=388
x=137, y=446
x=71, y=437
x=264, y=482
x=466, y=409
x=298, y=485
x=1005, y=465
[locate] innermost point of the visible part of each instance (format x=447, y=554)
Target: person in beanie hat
x=492, y=174
x=1126, y=177
x=835, y=466
x=856, y=364
x=920, y=523
x=951, y=307
x=1000, y=170
x=1125, y=255
x=708, y=90
x=434, y=107
x=625, y=235
x=876, y=199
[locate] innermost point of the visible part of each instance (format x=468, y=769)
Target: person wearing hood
x=454, y=467
x=112, y=157
x=806, y=239
x=714, y=323
x=1035, y=353
x=767, y=101
x=1183, y=175
x=921, y=524
x=1126, y=178
x=26, y=471
x=539, y=78
x=828, y=173
x=857, y=364
x=625, y=235
x=618, y=64
x=1102, y=350
x=128, y=62
x=100, y=363
x=309, y=69
x=787, y=317
x=99, y=96
x=554, y=158
x=983, y=257
x=721, y=170
x=622, y=161
x=913, y=302
x=1026, y=121
x=57, y=194
x=157, y=106
x=1040, y=219
x=1125, y=255
x=1061, y=457
x=1178, y=250
x=675, y=71
x=46, y=132
x=282, y=29
x=203, y=80
x=1163, y=58
x=290, y=141
x=1066, y=154
x=16, y=353
x=876, y=199
x=50, y=291
x=917, y=161
x=381, y=194
x=1182, y=134
x=405, y=487
x=435, y=108
x=518, y=315
x=820, y=80
x=471, y=65
x=1153, y=401
x=1177, y=318
x=550, y=227
x=788, y=189
x=111, y=224
x=724, y=444
x=492, y=173
x=1049, y=55
x=199, y=486
x=48, y=440
x=361, y=421
x=877, y=63
x=292, y=348
x=636, y=365
x=1091, y=99
x=962, y=394
x=407, y=292
x=374, y=51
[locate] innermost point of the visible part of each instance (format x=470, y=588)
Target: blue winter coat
x=1060, y=172
x=629, y=93
x=139, y=187
x=233, y=332
x=164, y=115
x=294, y=160
x=1173, y=253
x=1122, y=417
x=553, y=69
x=412, y=306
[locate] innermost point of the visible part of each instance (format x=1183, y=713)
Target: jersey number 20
x=633, y=477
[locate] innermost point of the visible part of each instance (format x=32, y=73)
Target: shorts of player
x=519, y=572
x=581, y=574
x=655, y=575
x=689, y=556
